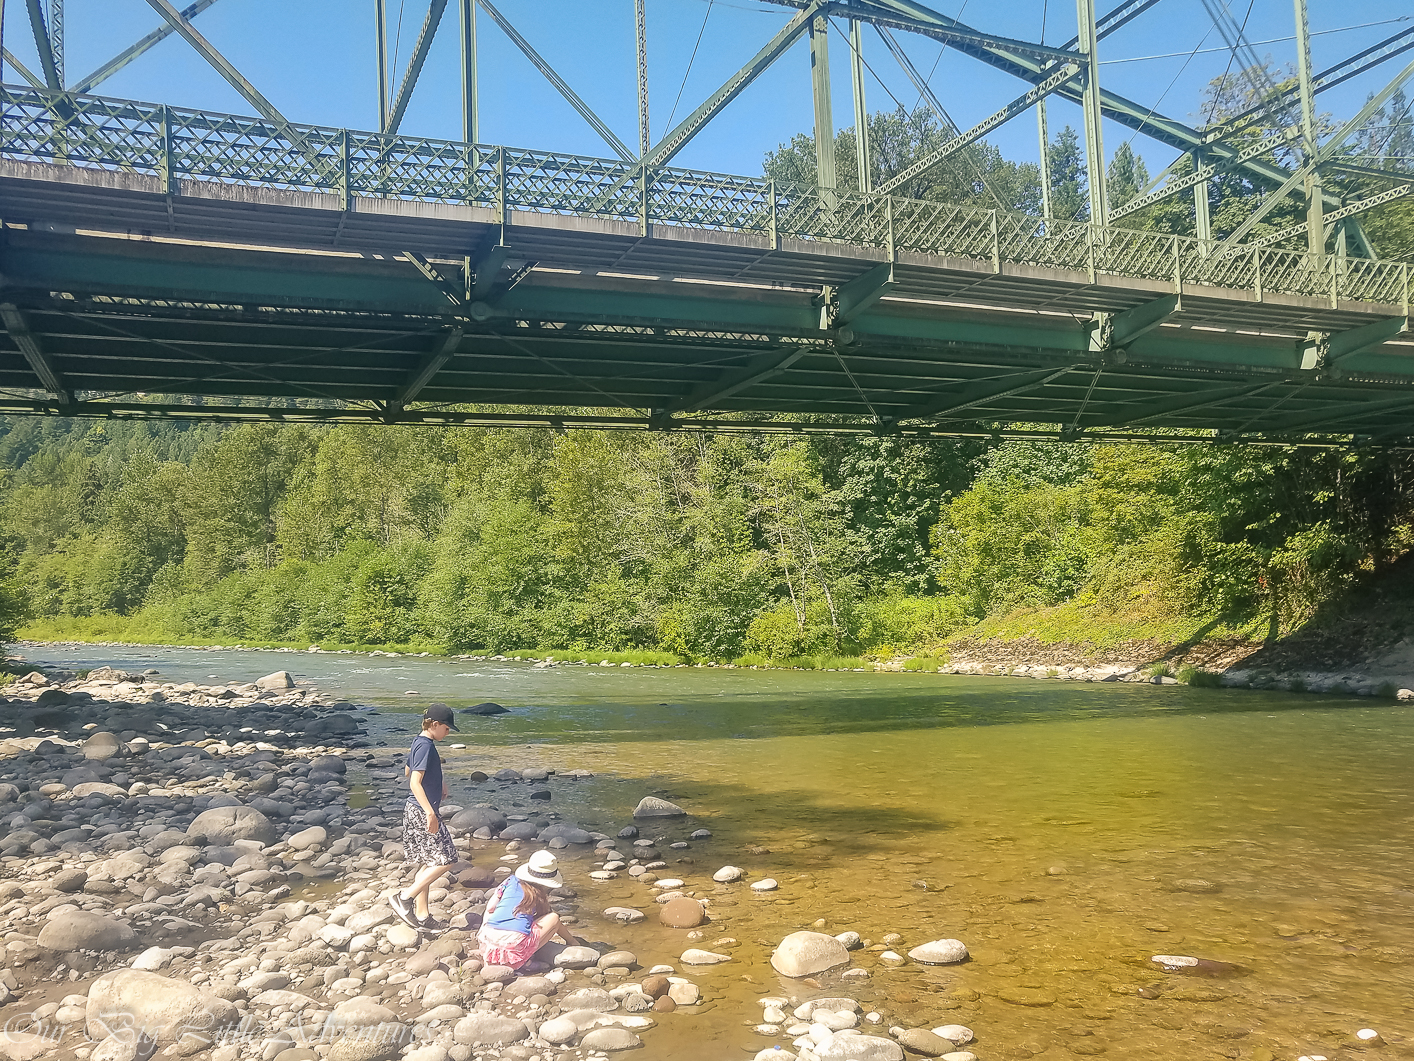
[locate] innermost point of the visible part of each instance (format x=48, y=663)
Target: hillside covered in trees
x=703, y=547
x=723, y=547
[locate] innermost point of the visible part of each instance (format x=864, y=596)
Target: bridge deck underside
x=327, y=320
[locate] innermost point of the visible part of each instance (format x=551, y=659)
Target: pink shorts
x=502, y=947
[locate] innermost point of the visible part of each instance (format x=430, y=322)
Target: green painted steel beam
x=218, y=62
x=859, y=294
x=1017, y=106
x=43, y=45
x=44, y=369
x=133, y=51
x=561, y=86
x=1033, y=63
x=690, y=126
x=969, y=397
x=435, y=10
x=442, y=352
x=22, y=70
x=1169, y=408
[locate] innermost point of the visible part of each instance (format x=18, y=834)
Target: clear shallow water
x=1052, y=823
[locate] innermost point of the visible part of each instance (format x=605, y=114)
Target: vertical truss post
x=1202, y=215
x=996, y=243
x=501, y=189
x=824, y=119
x=1090, y=103
x=1257, y=272
x=470, y=118
x=1315, y=230
x=642, y=199
x=56, y=37
x=168, y=172
x=640, y=21
x=889, y=216
x=775, y=232
x=861, y=112
x=345, y=192
x=381, y=14
x=1044, y=133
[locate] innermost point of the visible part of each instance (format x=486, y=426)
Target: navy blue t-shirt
x=423, y=756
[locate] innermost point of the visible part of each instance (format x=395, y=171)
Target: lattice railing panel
x=1293, y=273
x=1125, y=252
x=723, y=202
x=1362, y=280
x=175, y=142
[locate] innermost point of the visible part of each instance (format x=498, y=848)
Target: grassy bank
x=109, y=629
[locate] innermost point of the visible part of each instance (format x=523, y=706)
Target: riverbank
x=207, y=865
x=1386, y=674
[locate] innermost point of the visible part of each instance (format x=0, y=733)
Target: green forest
x=730, y=547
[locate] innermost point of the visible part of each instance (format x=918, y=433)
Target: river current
x=1065, y=832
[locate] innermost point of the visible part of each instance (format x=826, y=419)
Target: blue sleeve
x=420, y=754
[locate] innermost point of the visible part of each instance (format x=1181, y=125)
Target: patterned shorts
x=421, y=847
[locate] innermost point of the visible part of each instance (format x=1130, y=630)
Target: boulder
x=85, y=930
x=469, y=819
x=164, y=1009
x=703, y=957
x=566, y=831
x=653, y=807
x=314, y=836
x=328, y=764
x=338, y=724
x=624, y=915
x=727, y=874
x=922, y=1041
x=98, y=788
x=594, y=998
x=484, y=709
x=478, y=1029
x=102, y=745
x=682, y=912
x=808, y=953
x=558, y=1031
x=69, y=880
x=609, y=1039
x=859, y=1048
x=939, y=952
x=278, y=682
x=223, y=826
x=577, y=958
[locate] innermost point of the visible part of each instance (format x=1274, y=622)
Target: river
x=1065, y=832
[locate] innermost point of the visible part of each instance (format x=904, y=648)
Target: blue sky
x=314, y=59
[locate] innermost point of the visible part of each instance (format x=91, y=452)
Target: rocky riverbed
x=202, y=870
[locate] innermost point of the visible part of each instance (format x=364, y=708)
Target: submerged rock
x=653, y=807
x=807, y=953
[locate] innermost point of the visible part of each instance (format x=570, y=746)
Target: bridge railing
x=176, y=143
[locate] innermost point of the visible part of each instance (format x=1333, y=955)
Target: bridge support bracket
x=1324, y=351
x=840, y=305
x=1111, y=333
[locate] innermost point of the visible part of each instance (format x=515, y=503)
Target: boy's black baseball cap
x=440, y=713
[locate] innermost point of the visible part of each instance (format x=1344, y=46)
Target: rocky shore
x=1389, y=677
x=201, y=871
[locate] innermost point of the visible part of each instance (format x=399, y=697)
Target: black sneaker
x=403, y=910
x=431, y=925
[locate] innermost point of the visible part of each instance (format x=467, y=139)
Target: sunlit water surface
x=1060, y=830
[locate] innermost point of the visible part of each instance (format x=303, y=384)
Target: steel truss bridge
x=158, y=261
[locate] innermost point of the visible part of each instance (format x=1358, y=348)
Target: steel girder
x=350, y=337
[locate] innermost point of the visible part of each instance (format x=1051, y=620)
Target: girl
x=518, y=919
x=426, y=841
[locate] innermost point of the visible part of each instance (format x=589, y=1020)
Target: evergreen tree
x=1069, y=188
x=1127, y=175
